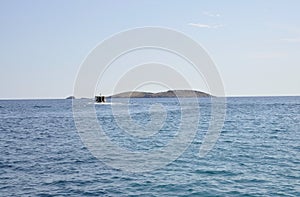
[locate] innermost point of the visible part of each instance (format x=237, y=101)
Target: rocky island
x=166, y=94
x=70, y=97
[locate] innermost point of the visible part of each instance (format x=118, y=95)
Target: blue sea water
x=257, y=153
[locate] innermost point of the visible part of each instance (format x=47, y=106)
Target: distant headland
x=70, y=97
x=166, y=94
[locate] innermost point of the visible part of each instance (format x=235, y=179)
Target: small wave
x=41, y=106
x=110, y=103
x=103, y=103
x=217, y=172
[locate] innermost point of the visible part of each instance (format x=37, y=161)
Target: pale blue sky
x=255, y=44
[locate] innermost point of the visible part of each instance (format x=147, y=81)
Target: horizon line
x=65, y=98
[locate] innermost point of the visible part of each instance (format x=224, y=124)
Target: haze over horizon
x=254, y=45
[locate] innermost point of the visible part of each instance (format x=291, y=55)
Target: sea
x=44, y=152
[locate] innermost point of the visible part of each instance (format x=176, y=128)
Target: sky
x=255, y=45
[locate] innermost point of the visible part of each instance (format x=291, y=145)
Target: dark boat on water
x=100, y=99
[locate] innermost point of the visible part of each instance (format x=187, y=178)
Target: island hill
x=166, y=94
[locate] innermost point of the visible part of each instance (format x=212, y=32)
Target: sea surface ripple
x=257, y=154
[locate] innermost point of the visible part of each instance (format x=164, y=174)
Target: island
x=166, y=94
x=70, y=97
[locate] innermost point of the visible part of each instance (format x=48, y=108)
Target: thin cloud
x=211, y=14
x=291, y=40
x=269, y=55
x=201, y=25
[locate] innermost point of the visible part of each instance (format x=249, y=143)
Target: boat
x=100, y=99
